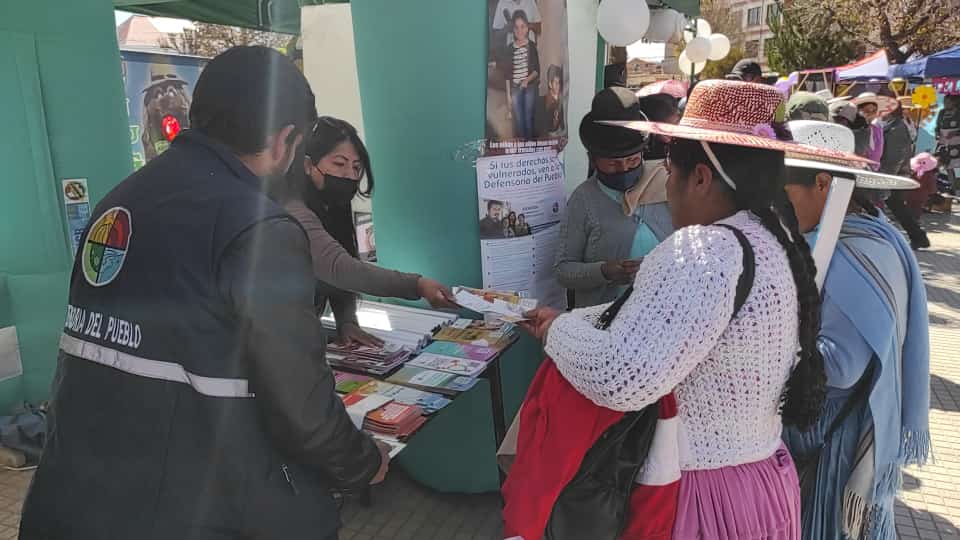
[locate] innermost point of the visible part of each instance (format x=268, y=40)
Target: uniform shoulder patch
x=105, y=247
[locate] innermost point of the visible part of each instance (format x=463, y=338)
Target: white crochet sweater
x=675, y=332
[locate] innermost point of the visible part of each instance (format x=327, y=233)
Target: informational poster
x=159, y=89
x=366, y=244
x=522, y=201
x=527, y=76
x=76, y=205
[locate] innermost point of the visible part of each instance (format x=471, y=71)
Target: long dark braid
x=763, y=195
x=806, y=390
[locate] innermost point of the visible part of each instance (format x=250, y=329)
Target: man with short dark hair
x=491, y=226
x=192, y=398
x=747, y=71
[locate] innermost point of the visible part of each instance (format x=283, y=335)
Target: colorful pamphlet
x=428, y=401
x=395, y=419
x=462, y=350
x=430, y=380
x=449, y=364
x=494, y=334
x=371, y=360
x=502, y=305
x=349, y=382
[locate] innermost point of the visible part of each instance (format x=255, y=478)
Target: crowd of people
x=729, y=397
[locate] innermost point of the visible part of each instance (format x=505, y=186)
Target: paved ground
x=929, y=507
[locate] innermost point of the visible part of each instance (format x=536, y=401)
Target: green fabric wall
x=64, y=117
x=423, y=89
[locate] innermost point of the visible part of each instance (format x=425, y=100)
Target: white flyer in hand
x=507, y=307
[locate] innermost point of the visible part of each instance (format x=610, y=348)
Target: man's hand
x=384, y=449
x=620, y=272
x=437, y=294
x=351, y=333
x=539, y=321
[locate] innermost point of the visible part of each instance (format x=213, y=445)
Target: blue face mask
x=620, y=181
x=812, y=236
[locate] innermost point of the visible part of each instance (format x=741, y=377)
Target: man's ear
x=823, y=181
x=279, y=147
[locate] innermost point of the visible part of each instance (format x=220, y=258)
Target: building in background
x=754, y=16
x=156, y=34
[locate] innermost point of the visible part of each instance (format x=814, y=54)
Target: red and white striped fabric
x=557, y=426
x=653, y=503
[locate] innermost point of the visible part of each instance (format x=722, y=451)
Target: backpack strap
x=745, y=283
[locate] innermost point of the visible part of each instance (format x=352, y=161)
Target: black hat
x=601, y=140
x=745, y=67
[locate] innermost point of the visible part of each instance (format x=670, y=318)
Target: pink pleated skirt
x=755, y=501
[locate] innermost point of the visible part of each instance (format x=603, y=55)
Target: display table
x=455, y=451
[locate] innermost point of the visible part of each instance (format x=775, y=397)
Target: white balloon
x=685, y=65
x=666, y=25
x=623, y=22
x=703, y=30
x=719, y=46
x=698, y=49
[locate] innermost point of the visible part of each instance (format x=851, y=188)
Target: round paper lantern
x=666, y=26
x=703, y=30
x=924, y=96
x=719, y=46
x=685, y=65
x=622, y=22
x=698, y=49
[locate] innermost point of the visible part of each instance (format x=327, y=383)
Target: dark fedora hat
x=603, y=140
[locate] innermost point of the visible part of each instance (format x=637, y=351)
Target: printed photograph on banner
x=521, y=204
x=366, y=244
x=159, y=89
x=527, y=76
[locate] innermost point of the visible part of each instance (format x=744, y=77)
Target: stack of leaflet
x=395, y=420
x=461, y=350
x=432, y=381
x=370, y=360
x=349, y=382
x=390, y=418
x=493, y=334
x=400, y=326
x=428, y=401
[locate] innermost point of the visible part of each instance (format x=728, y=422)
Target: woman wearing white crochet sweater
x=733, y=374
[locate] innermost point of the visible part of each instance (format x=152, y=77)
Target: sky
x=121, y=16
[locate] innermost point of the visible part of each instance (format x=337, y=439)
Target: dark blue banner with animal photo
x=159, y=88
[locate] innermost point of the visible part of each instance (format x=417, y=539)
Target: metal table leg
x=496, y=401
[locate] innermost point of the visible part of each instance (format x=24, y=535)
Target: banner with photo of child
x=527, y=76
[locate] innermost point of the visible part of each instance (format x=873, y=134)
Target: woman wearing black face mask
x=611, y=221
x=319, y=196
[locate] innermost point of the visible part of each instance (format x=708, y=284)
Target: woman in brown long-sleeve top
x=319, y=197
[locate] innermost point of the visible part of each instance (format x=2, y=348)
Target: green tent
x=278, y=15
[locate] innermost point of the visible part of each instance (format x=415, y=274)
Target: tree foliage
x=209, y=40
x=901, y=27
x=723, y=20
x=807, y=36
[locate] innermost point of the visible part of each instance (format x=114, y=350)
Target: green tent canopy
x=280, y=15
